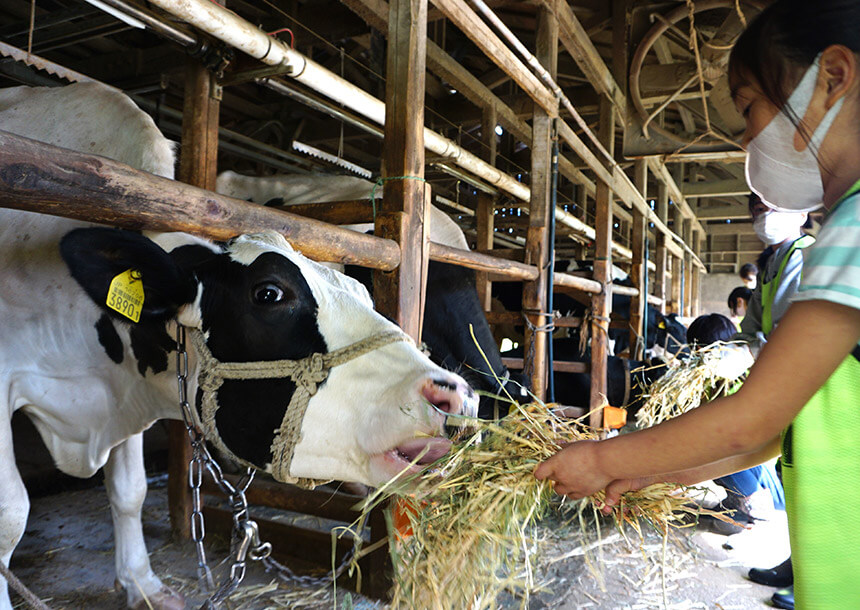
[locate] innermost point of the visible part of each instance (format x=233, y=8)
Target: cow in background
x=92, y=382
x=451, y=304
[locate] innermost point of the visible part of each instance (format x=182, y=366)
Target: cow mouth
x=415, y=454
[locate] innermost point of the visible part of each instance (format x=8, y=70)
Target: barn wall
x=715, y=289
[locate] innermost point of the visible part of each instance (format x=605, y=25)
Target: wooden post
x=638, y=268
x=688, y=269
x=697, y=274
x=660, y=259
x=486, y=203
x=197, y=166
x=398, y=293
x=601, y=303
x=677, y=265
x=537, y=238
x=403, y=213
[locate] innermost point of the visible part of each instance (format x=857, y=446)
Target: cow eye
x=265, y=294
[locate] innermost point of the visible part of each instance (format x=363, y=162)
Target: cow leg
x=125, y=479
x=14, y=506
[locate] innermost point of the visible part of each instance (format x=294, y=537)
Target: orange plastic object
x=403, y=508
x=613, y=417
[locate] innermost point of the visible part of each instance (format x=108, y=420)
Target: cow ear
x=661, y=321
x=97, y=256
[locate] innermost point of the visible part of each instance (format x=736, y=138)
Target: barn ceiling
x=663, y=71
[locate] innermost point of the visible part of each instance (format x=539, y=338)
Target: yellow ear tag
x=661, y=325
x=125, y=294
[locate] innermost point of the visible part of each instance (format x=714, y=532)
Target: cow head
x=259, y=300
x=670, y=336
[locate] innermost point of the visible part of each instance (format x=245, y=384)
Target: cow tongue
x=429, y=449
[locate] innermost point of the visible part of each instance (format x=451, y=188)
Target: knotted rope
x=307, y=374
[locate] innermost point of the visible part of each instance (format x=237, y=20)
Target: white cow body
x=296, y=189
x=91, y=404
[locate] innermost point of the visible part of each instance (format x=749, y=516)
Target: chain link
x=245, y=537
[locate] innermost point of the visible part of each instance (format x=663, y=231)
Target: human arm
x=812, y=340
x=692, y=476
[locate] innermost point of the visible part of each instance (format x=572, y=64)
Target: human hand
x=618, y=487
x=575, y=470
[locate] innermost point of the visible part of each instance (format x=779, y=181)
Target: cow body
x=92, y=381
x=293, y=189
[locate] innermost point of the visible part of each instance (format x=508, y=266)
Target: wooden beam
x=659, y=169
x=638, y=270
x=481, y=262
x=733, y=228
x=601, y=303
x=41, y=178
x=403, y=213
x=720, y=188
x=557, y=365
x=538, y=248
x=688, y=269
x=486, y=206
x=578, y=44
x=197, y=166
x=724, y=212
x=497, y=51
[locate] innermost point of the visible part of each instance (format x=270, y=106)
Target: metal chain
x=245, y=537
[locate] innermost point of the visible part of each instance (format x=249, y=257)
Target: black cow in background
x=451, y=306
x=626, y=379
x=664, y=332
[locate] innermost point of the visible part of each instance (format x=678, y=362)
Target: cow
x=665, y=334
x=299, y=335
x=452, y=304
x=626, y=380
x=293, y=189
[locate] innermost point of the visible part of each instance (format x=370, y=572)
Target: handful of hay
x=708, y=373
x=468, y=531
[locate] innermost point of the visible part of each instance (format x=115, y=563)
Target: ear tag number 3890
x=125, y=294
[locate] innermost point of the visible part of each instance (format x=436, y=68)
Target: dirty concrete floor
x=66, y=557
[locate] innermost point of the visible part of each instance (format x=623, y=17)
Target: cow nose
x=448, y=395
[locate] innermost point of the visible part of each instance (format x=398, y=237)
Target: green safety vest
x=768, y=289
x=821, y=476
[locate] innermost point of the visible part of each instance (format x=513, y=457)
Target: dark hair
x=786, y=37
x=741, y=292
x=747, y=270
x=706, y=329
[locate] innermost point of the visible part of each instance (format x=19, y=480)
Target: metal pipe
x=235, y=31
x=152, y=21
x=283, y=88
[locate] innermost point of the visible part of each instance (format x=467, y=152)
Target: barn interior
x=599, y=135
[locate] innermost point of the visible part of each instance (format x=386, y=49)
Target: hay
x=471, y=519
x=688, y=383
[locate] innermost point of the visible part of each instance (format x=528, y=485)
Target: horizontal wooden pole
x=573, y=281
x=333, y=212
x=504, y=317
x=320, y=502
x=557, y=366
x=719, y=188
x=482, y=262
x=38, y=177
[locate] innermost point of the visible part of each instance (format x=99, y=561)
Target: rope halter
x=307, y=374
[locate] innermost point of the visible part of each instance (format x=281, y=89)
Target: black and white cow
x=92, y=381
x=452, y=304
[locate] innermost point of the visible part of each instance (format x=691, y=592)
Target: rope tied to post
x=549, y=327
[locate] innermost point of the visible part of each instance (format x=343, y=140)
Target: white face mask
x=775, y=227
x=786, y=179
